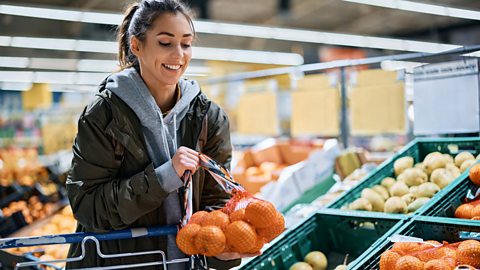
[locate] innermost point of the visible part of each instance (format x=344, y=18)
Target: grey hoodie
x=160, y=135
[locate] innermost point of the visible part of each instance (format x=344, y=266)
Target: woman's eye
x=164, y=44
x=186, y=45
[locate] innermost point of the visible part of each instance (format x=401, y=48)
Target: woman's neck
x=165, y=96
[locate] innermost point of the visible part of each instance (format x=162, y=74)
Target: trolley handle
x=79, y=236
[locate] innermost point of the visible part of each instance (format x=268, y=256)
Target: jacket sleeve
x=100, y=200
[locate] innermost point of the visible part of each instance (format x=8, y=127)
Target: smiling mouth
x=172, y=67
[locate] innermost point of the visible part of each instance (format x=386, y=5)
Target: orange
x=475, y=211
x=258, y=246
x=468, y=252
x=186, y=238
x=216, y=218
x=404, y=248
x=430, y=253
x=210, y=241
x=408, y=263
x=437, y=265
x=388, y=260
x=475, y=174
x=198, y=217
x=273, y=231
x=237, y=215
x=464, y=211
x=260, y=214
x=241, y=236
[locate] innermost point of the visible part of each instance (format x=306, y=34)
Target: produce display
x=32, y=209
x=432, y=255
x=61, y=223
x=21, y=166
x=242, y=230
x=471, y=210
x=413, y=184
x=316, y=260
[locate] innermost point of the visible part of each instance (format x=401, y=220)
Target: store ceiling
x=321, y=15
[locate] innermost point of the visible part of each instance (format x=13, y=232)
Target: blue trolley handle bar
x=78, y=237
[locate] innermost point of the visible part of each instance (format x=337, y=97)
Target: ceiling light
x=15, y=86
x=393, y=65
x=230, y=29
x=249, y=56
x=422, y=8
x=14, y=62
x=473, y=54
x=62, y=14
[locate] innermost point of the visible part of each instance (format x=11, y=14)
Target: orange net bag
x=432, y=255
x=246, y=222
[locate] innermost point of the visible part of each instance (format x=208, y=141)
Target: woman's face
x=165, y=53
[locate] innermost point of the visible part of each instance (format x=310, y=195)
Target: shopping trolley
x=196, y=262
x=219, y=173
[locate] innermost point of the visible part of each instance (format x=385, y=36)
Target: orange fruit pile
x=412, y=256
x=244, y=230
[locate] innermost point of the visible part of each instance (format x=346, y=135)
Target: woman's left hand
x=227, y=256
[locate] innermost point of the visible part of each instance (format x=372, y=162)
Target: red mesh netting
x=424, y=256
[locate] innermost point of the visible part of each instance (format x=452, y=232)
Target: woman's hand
x=185, y=159
x=227, y=256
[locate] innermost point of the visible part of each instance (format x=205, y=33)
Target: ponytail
x=126, y=58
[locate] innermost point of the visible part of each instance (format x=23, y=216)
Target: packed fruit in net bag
x=431, y=255
x=244, y=225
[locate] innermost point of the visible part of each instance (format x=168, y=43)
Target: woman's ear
x=135, y=45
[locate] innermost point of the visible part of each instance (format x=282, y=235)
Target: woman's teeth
x=172, y=67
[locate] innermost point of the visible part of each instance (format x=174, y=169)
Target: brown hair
x=138, y=19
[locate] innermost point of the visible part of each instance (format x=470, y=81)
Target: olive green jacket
x=112, y=184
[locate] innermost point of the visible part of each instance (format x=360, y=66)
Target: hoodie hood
x=160, y=132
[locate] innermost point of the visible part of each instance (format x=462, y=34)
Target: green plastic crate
x=417, y=149
x=427, y=228
x=313, y=193
x=333, y=232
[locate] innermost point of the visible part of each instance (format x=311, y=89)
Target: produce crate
x=417, y=149
x=333, y=232
x=445, y=205
x=427, y=228
x=313, y=193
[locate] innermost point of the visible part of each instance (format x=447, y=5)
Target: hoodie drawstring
x=175, y=146
x=164, y=136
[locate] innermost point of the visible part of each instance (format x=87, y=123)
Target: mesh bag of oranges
x=244, y=225
x=432, y=255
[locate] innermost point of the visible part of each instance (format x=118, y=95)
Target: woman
x=127, y=166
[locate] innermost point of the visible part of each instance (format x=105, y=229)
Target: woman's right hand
x=185, y=159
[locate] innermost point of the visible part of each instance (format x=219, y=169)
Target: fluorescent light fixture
x=15, y=86
x=96, y=65
x=230, y=29
x=14, y=62
x=249, y=56
x=321, y=37
x=87, y=78
x=393, y=65
x=52, y=63
x=88, y=65
x=473, y=54
x=422, y=8
x=91, y=79
x=62, y=14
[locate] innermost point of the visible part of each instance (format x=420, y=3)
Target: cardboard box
x=265, y=162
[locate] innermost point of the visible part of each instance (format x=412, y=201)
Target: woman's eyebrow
x=172, y=35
